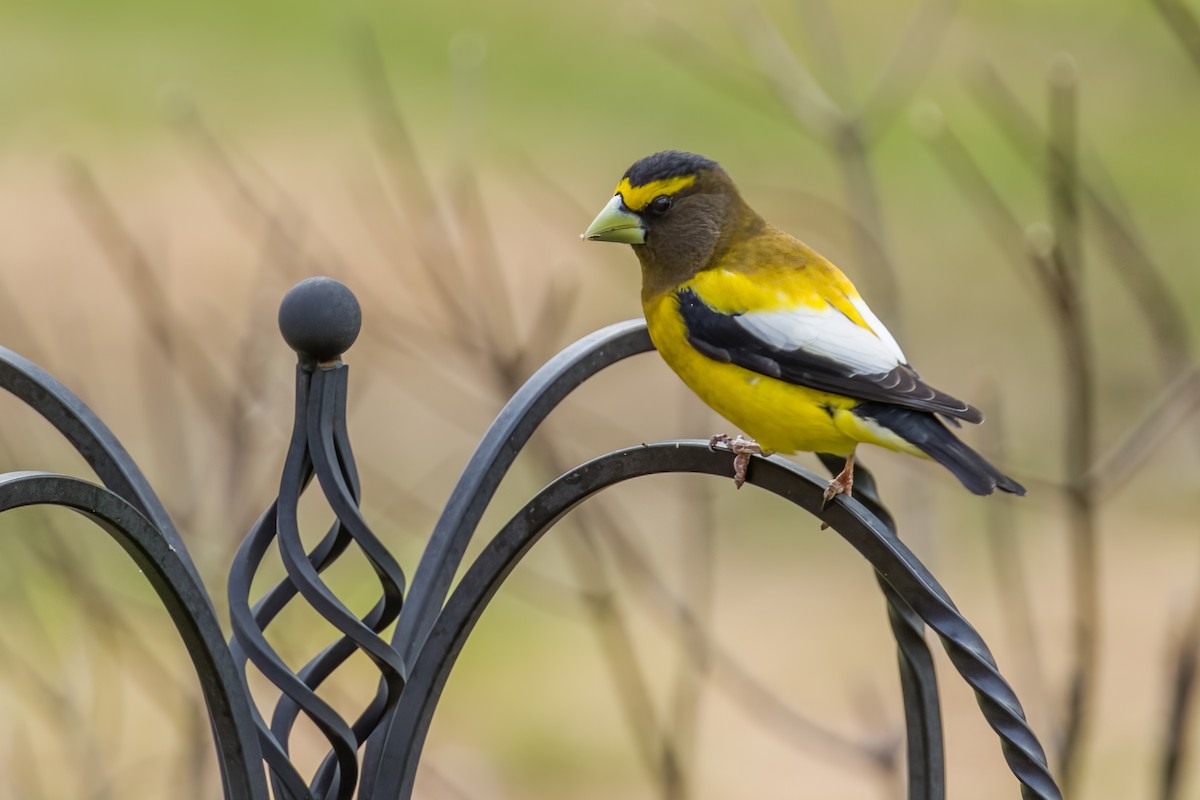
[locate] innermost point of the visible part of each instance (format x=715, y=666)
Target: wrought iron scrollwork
x=376, y=755
x=914, y=585
x=129, y=511
x=320, y=318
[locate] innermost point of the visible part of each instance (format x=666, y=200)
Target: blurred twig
x=847, y=134
x=143, y=284
x=124, y=638
x=731, y=676
x=1008, y=560
x=1130, y=257
x=23, y=773
x=445, y=786
x=1001, y=222
x=51, y=703
x=254, y=204
x=1159, y=423
x=697, y=560
x=1165, y=319
x=1184, y=23
x=1177, y=734
x=1160, y=308
x=909, y=65
x=1079, y=413
x=838, y=131
x=1056, y=255
x=417, y=204
x=1180, y=706
x=275, y=224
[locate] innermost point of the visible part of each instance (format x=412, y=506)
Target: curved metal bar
x=248, y=643
x=495, y=453
x=922, y=707
x=488, y=465
x=887, y=554
x=167, y=569
x=329, y=389
x=490, y=462
x=926, y=755
x=91, y=438
x=296, y=561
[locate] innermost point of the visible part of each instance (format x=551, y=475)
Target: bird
x=770, y=334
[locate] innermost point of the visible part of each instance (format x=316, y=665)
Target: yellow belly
x=780, y=416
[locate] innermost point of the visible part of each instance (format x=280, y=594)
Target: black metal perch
x=376, y=755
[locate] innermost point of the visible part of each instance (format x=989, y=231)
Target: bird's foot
x=843, y=483
x=840, y=485
x=742, y=448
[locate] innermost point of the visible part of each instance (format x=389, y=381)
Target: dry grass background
x=147, y=232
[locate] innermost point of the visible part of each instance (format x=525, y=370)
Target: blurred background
x=1012, y=185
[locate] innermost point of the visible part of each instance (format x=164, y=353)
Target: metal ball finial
x=320, y=318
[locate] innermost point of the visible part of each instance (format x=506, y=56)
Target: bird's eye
x=660, y=205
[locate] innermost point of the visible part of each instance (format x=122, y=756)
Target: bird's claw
x=742, y=448
x=741, y=463
x=836, y=486
x=842, y=484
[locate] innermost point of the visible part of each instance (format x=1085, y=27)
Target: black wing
x=722, y=338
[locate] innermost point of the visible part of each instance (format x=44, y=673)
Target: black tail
x=927, y=433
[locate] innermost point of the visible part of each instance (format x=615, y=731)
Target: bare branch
x=1184, y=23
x=1008, y=560
x=1180, y=706
x=792, y=83
x=1159, y=422
x=1128, y=254
x=908, y=67
x=1079, y=414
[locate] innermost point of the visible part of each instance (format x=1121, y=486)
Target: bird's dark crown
x=665, y=165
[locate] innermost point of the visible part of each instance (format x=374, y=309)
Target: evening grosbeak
x=771, y=335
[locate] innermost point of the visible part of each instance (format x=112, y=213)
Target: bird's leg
x=843, y=483
x=742, y=448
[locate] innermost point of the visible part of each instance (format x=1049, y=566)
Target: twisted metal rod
x=338, y=476
x=248, y=641
x=320, y=447
x=918, y=678
x=320, y=319
x=887, y=554
x=91, y=438
x=249, y=644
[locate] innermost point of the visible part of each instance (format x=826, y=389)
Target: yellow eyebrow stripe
x=637, y=197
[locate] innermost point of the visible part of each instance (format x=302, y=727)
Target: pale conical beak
x=616, y=223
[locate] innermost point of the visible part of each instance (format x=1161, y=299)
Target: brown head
x=679, y=211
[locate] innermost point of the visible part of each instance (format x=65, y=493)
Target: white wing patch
x=876, y=325
x=829, y=333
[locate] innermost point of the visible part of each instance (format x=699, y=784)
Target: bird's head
x=678, y=210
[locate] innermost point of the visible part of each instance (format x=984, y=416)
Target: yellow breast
x=782, y=417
